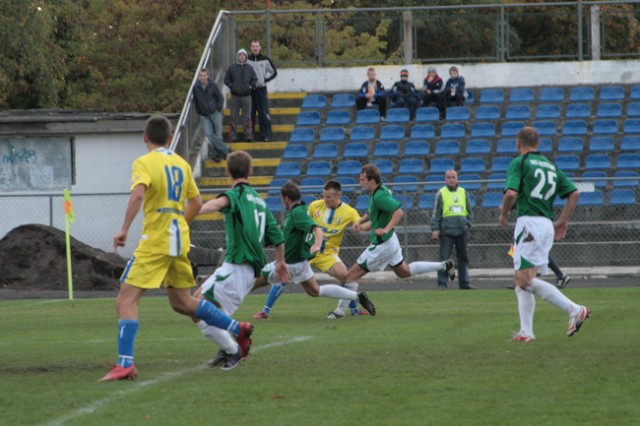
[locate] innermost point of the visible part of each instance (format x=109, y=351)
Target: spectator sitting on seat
x=404, y=94
x=372, y=92
x=454, y=92
x=432, y=87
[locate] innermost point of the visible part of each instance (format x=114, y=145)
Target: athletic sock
x=127, y=330
x=220, y=337
x=421, y=267
x=551, y=294
x=353, y=305
x=526, y=309
x=274, y=293
x=207, y=312
x=337, y=292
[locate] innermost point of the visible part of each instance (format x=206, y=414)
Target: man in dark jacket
x=451, y=221
x=265, y=71
x=404, y=94
x=209, y=102
x=241, y=79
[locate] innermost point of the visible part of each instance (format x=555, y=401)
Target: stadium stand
x=552, y=94
x=314, y=101
x=288, y=169
x=518, y=112
x=632, y=125
x=447, y=147
x=422, y=131
x=318, y=168
x=356, y=150
x=478, y=146
x=325, y=150
x=426, y=201
x=385, y=166
x=545, y=128
x=574, y=127
x=605, y=127
x=458, y=113
x=578, y=110
x=349, y=168
x=332, y=134
x=597, y=162
x=483, y=130
x=568, y=162
x=307, y=183
x=409, y=183
x=398, y=115
x=612, y=93
x=452, y=131
x=343, y=100
x=521, y=94
x=548, y=111
x=629, y=161
x=295, y=152
x=600, y=176
x=473, y=165
x=308, y=118
x=511, y=128
x=348, y=183
x=622, y=197
x=368, y=116
x=633, y=109
x=362, y=133
x=487, y=112
x=492, y=96
x=441, y=165
x=338, y=117
x=413, y=148
x=601, y=143
x=386, y=149
x=591, y=198
x=571, y=144
x=413, y=166
x=609, y=110
x=492, y=199
x=581, y=94
x=635, y=92
x=625, y=178
x=630, y=143
x=392, y=132
x=471, y=182
x=305, y=134
x=425, y=114
x=506, y=146
x=500, y=164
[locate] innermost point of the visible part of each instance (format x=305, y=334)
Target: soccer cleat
x=576, y=320
x=563, y=282
x=366, y=303
x=334, y=315
x=119, y=372
x=522, y=338
x=361, y=312
x=244, y=338
x=233, y=360
x=219, y=359
x=450, y=269
x=260, y=315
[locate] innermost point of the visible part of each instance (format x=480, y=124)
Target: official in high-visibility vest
x=450, y=224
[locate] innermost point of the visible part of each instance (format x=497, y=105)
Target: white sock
x=219, y=336
x=343, y=304
x=337, y=292
x=421, y=267
x=526, y=308
x=551, y=294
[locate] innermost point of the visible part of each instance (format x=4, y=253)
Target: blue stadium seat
x=630, y=143
x=314, y=101
x=609, y=110
x=491, y=96
x=633, y=109
x=338, y=117
x=629, y=161
x=632, y=125
x=471, y=97
x=392, y=132
x=518, y=112
x=626, y=178
x=500, y=164
x=405, y=200
x=574, y=127
x=325, y=150
x=409, y=183
x=308, y=199
x=295, y=151
x=308, y=118
x=348, y=183
x=605, y=126
x=386, y=149
x=423, y=131
x=478, y=146
x=398, y=115
x=343, y=100
x=362, y=133
x=521, y=94
x=548, y=111
x=592, y=198
x=362, y=203
x=385, y=166
x=473, y=165
x=434, y=182
x=581, y=94
x=470, y=182
x=568, y=162
x=612, y=93
x=598, y=175
x=511, y=128
x=276, y=184
x=307, y=183
x=426, y=201
x=411, y=166
x=597, y=162
x=545, y=145
x=356, y=150
x=601, y=143
x=413, y=148
x=424, y=114
x=499, y=180
x=349, y=168
x=332, y=134
x=452, y=131
x=302, y=135
x=483, y=130
x=622, y=197
x=545, y=128
x=507, y=146
x=441, y=165
x=492, y=199
x=635, y=92
x=570, y=144
x=318, y=168
x=578, y=110
x=274, y=203
x=552, y=94
x=447, y=147
x=458, y=113
x=288, y=169
x=487, y=112
x=368, y=116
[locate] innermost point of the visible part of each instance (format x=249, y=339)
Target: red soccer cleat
x=260, y=315
x=522, y=338
x=244, y=338
x=119, y=372
x=576, y=320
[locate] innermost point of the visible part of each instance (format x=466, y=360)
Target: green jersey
x=249, y=226
x=382, y=205
x=537, y=181
x=297, y=228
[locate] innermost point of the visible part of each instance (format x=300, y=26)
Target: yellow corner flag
x=69, y=217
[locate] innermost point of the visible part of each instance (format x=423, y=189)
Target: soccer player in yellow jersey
x=162, y=185
x=333, y=216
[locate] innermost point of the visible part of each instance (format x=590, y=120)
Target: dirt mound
x=34, y=256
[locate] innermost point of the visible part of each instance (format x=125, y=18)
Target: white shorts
x=533, y=239
x=229, y=285
x=299, y=272
x=377, y=257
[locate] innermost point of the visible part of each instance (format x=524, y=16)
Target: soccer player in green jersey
x=532, y=184
x=384, y=213
x=249, y=226
x=162, y=185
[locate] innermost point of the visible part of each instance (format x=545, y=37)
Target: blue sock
x=274, y=293
x=127, y=330
x=213, y=316
x=353, y=305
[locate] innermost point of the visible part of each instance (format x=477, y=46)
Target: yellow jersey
x=333, y=223
x=169, y=181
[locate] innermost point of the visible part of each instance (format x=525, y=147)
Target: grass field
x=427, y=358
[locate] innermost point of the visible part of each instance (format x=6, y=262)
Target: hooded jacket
x=241, y=77
x=264, y=68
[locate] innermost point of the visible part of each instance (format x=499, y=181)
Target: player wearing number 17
x=533, y=181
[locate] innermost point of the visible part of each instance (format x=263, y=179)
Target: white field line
x=138, y=386
x=34, y=303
